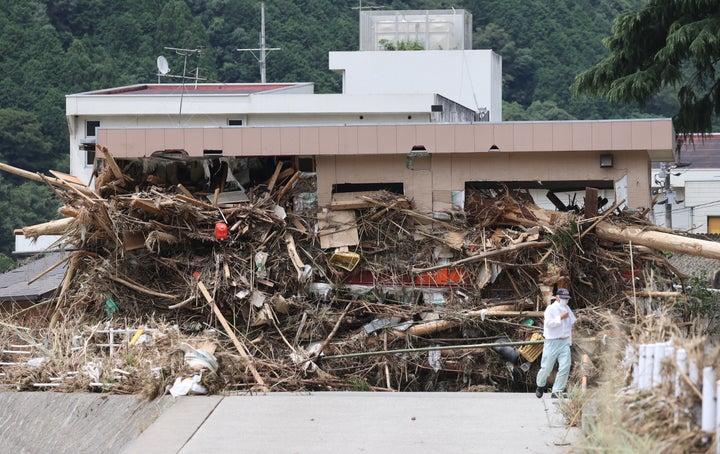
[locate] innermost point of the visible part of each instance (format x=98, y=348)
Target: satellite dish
x=162, y=65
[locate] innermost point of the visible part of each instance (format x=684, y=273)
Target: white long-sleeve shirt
x=554, y=327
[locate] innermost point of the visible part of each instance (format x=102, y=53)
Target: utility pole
x=262, y=49
x=668, y=205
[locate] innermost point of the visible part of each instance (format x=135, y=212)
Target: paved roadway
x=359, y=422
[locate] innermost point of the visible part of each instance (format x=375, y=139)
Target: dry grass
x=616, y=418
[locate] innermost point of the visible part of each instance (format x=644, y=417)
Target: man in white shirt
x=557, y=330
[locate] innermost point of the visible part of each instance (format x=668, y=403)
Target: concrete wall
x=472, y=78
x=556, y=151
x=431, y=183
x=73, y=423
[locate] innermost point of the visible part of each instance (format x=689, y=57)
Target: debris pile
x=367, y=293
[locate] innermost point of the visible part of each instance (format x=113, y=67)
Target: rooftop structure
x=415, y=30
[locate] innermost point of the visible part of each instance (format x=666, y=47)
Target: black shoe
x=559, y=395
x=539, y=392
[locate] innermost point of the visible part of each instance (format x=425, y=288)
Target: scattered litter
x=184, y=386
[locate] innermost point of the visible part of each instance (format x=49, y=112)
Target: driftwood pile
x=292, y=296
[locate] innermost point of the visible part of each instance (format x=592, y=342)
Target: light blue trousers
x=555, y=350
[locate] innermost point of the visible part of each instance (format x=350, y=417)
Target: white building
x=694, y=196
x=472, y=78
x=459, y=85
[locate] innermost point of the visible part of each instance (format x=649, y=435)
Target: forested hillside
x=50, y=48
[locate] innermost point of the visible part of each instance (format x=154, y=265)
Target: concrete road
x=359, y=422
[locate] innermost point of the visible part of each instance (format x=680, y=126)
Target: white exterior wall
x=472, y=78
x=25, y=245
x=232, y=104
x=698, y=191
x=703, y=199
x=208, y=110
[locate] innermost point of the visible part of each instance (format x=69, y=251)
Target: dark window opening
x=306, y=164
x=91, y=128
x=88, y=146
x=235, y=122
x=395, y=188
x=212, y=152
x=477, y=192
x=555, y=186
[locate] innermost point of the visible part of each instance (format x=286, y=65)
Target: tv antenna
x=262, y=50
x=162, y=66
x=164, y=70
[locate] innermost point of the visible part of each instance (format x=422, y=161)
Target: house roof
x=15, y=285
x=697, y=266
x=701, y=152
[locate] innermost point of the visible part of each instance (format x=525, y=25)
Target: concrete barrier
x=33, y=422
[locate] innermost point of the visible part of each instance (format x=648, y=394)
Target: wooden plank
x=273, y=179
x=114, y=168
x=288, y=185
x=356, y=200
x=184, y=190
x=148, y=205
x=337, y=229
x=133, y=240
x=294, y=256
x=229, y=331
x=196, y=202
x=591, y=203
x=556, y=201
x=67, y=177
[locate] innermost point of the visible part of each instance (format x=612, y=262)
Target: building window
x=91, y=128
x=88, y=144
x=235, y=122
x=713, y=224
x=395, y=188
x=306, y=164
x=89, y=157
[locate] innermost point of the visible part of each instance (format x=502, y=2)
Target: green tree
x=513, y=111
x=547, y=111
x=518, y=64
x=22, y=205
x=22, y=143
x=537, y=111
x=665, y=43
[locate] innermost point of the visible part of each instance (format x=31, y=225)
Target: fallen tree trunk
x=56, y=227
x=442, y=325
x=535, y=216
x=658, y=240
x=45, y=179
